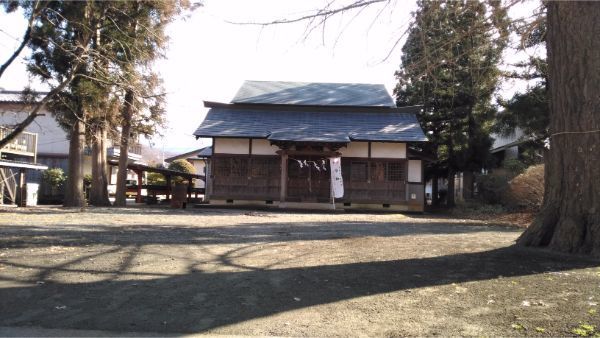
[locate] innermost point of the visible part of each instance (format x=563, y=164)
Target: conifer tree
x=450, y=65
x=528, y=111
x=142, y=31
x=122, y=39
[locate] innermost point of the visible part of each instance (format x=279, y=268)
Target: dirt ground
x=240, y=272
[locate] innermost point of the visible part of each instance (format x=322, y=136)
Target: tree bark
x=570, y=217
x=450, y=201
x=74, y=196
x=99, y=189
x=120, y=197
x=468, y=184
x=434, y=191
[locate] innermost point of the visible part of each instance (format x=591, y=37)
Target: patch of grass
x=585, y=330
x=540, y=329
x=518, y=327
x=592, y=311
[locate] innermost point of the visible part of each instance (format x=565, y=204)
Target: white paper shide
x=337, y=183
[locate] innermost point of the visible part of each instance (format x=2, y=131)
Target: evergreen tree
x=449, y=65
x=121, y=39
x=528, y=111
x=65, y=27
x=142, y=31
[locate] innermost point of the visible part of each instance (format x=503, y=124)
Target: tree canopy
x=450, y=66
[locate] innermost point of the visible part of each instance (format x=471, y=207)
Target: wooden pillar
x=22, y=189
x=168, y=186
x=284, y=177
x=2, y=180
x=138, y=196
x=1, y=188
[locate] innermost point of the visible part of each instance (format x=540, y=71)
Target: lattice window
x=378, y=171
x=395, y=171
x=239, y=167
x=222, y=166
x=358, y=171
x=346, y=169
x=261, y=167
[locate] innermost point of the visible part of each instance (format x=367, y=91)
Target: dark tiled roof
x=315, y=94
x=312, y=125
x=205, y=152
x=195, y=154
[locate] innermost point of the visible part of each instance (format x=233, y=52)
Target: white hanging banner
x=337, y=182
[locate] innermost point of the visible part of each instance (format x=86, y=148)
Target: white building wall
x=388, y=150
x=356, y=149
x=199, y=165
x=414, y=171
x=131, y=175
x=263, y=147
x=87, y=164
x=52, y=139
x=231, y=146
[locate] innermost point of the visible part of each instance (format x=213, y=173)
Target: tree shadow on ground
x=24, y=236
x=198, y=301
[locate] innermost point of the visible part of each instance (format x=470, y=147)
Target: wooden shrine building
x=272, y=144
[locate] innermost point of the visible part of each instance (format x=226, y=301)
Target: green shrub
x=492, y=188
x=87, y=180
x=155, y=179
x=54, y=177
x=182, y=166
x=514, y=166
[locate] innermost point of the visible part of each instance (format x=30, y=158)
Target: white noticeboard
x=337, y=183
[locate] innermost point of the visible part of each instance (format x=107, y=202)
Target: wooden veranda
x=153, y=190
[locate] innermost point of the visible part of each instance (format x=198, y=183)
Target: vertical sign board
x=337, y=183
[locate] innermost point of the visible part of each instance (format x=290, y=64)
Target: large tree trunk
x=450, y=200
x=74, y=196
x=468, y=184
x=99, y=190
x=570, y=217
x=434, y=191
x=120, y=197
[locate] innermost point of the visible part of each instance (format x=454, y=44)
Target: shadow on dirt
x=19, y=236
x=198, y=301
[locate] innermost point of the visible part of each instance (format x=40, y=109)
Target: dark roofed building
x=199, y=158
x=272, y=143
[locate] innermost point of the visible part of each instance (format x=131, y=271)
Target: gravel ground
x=239, y=272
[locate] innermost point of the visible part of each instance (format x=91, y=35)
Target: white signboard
x=337, y=183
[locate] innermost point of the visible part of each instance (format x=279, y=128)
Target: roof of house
x=313, y=125
x=314, y=94
x=4, y=163
x=502, y=142
x=194, y=154
x=312, y=112
x=15, y=96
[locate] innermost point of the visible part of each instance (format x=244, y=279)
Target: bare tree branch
x=39, y=106
x=324, y=13
x=26, y=38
